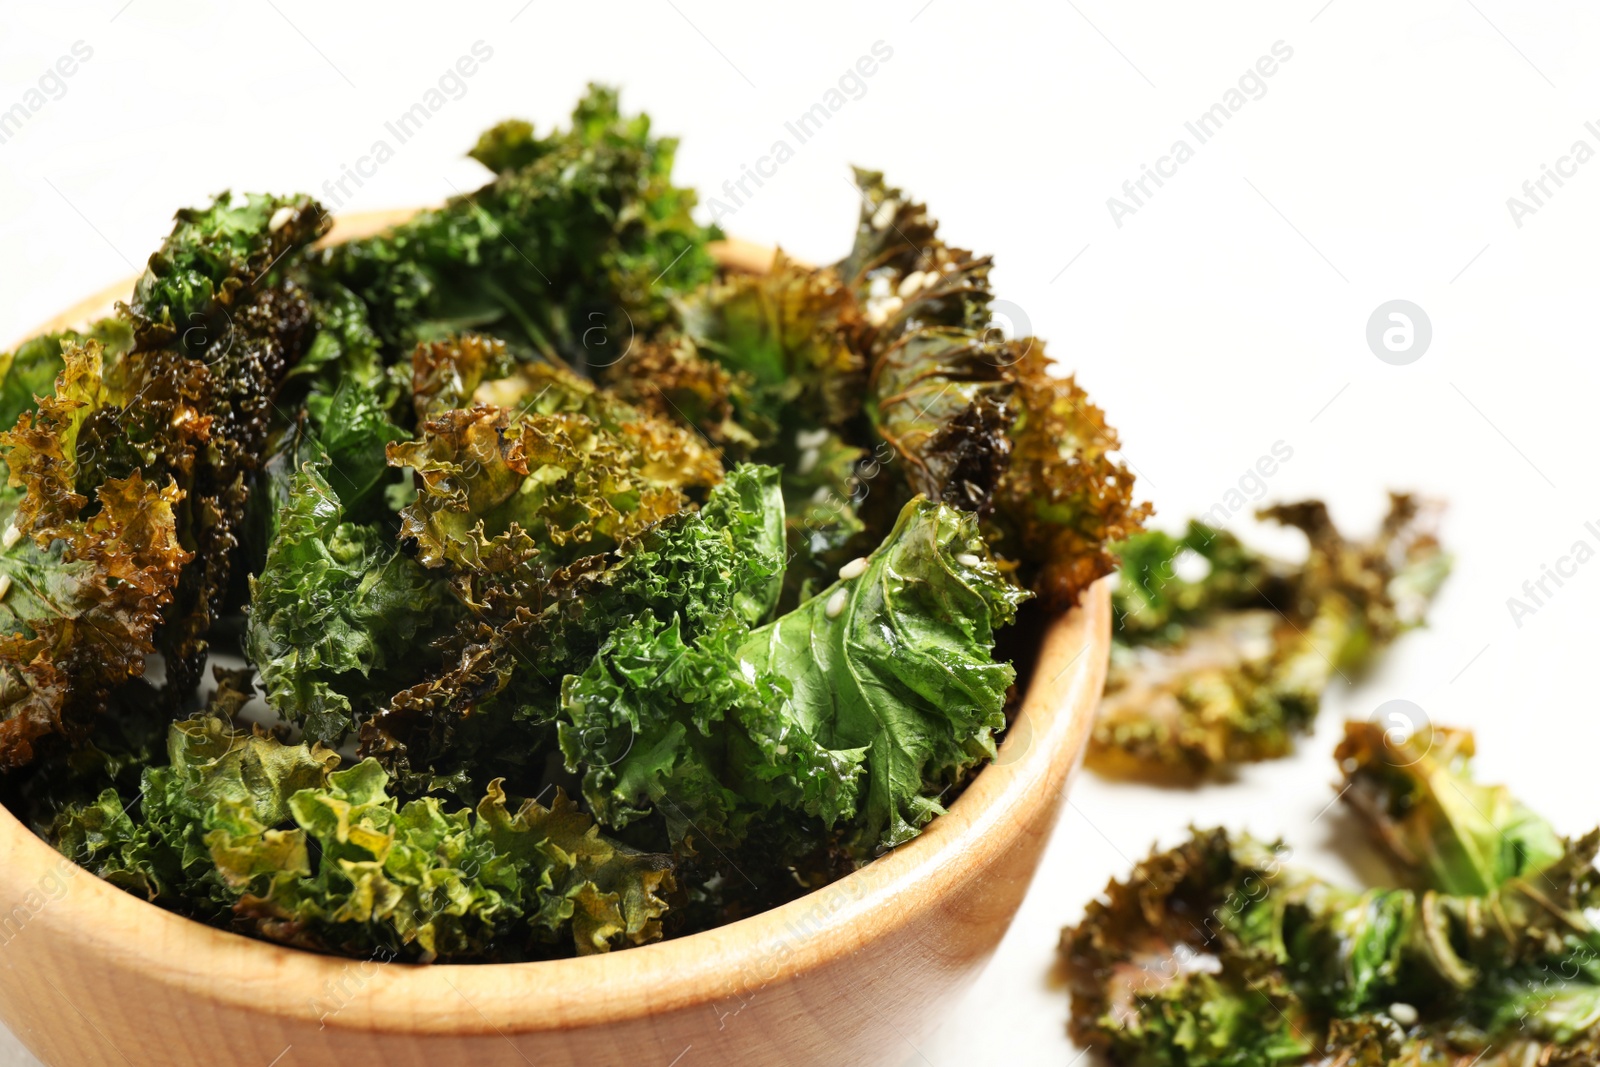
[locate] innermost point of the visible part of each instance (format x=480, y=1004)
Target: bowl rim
x=1036, y=759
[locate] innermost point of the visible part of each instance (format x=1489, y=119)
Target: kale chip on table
x=1222, y=952
x=1221, y=655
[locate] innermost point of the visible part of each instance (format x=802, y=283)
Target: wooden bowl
x=855, y=973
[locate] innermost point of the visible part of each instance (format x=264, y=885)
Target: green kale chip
x=939, y=391
x=351, y=429
x=282, y=843
x=190, y=405
x=787, y=333
x=212, y=260
x=337, y=613
x=345, y=348
x=576, y=247
x=885, y=675
x=670, y=378
x=1416, y=792
x=571, y=475
x=1230, y=666
x=974, y=418
x=30, y=372
x=445, y=375
x=898, y=660
x=82, y=588
x=723, y=560
x=345, y=421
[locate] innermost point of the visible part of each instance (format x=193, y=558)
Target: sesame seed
x=835, y=606
x=11, y=536
x=879, y=311
x=1403, y=1013
x=967, y=559
x=280, y=218
x=5, y=585
x=854, y=569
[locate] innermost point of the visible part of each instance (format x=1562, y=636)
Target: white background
x=1226, y=315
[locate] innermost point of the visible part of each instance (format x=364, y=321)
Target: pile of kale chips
x=1481, y=950
x=607, y=597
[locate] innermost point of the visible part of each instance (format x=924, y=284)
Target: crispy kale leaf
x=766, y=370
x=211, y=261
x=1231, y=665
x=1376, y=1040
x=1217, y=952
x=154, y=843
x=1159, y=978
x=337, y=613
x=575, y=247
x=264, y=337
x=510, y=146
x=938, y=390
x=345, y=348
x=724, y=560
x=1415, y=791
x=293, y=849
x=671, y=379
x=30, y=372
x=898, y=661
x=787, y=333
x=445, y=374
x=573, y=472
x=217, y=326
x=352, y=430
x=1062, y=501
x=974, y=418
x=348, y=433
x=652, y=719
x=888, y=669
x=81, y=589
x=347, y=419
x=1154, y=603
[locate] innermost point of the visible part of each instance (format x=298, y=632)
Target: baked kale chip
x=284, y=842
x=572, y=251
x=1229, y=665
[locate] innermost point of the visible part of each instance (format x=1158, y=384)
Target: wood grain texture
x=855, y=973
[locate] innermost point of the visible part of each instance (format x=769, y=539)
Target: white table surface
x=1228, y=313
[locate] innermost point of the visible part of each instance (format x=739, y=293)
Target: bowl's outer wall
x=856, y=973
